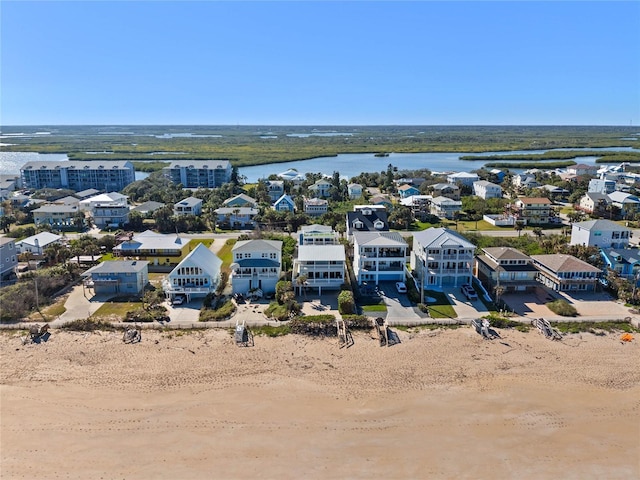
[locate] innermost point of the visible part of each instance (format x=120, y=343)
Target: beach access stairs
x=545, y=328
x=382, y=331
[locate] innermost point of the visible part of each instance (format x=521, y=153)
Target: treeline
x=560, y=164
x=603, y=157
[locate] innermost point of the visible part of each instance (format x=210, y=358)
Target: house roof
x=505, y=253
x=243, y=197
x=601, y=225
x=43, y=239
x=559, y=262
x=284, y=198
x=622, y=197
x=79, y=165
x=104, y=198
x=441, y=237
x=57, y=208
x=316, y=228
x=368, y=221
x=189, y=201
x=445, y=186
x=68, y=200
x=257, y=262
x=149, y=240
x=380, y=239
x=89, y=192
x=118, y=266
x=201, y=257
x=354, y=186
x=462, y=175
x=489, y=262
x=597, y=196
x=258, y=245
x=532, y=200
x=315, y=202
x=6, y=240
x=446, y=200
x=321, y=252
x=149, y=206
x=485, y=183
x=623, y=255
x=404, y=188
x=236, y=210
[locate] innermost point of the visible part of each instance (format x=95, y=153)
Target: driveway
x=399, y=308
x=464, y=307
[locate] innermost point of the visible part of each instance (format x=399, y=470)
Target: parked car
x=178, y=300
x=469, y=292
x=401, y=287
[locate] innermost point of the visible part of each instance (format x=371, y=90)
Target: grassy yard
x=440, y=308
x=226, y=255
x=50, y=312
x=116, y=309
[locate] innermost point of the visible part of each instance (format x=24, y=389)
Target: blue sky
x=320, y=63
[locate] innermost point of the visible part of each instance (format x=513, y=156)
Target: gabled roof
x=236, y=210
x=485, y=183
x=57, y=208
x=242, y=198
x=535, y=200
x=87, y=193
x=43, y=239
x=316, y=228
x=368, y=221
x=622, y=197
x=149, y=206
x=404, y=188
x=623, y=255
x=446, y=200
x=315, y=202
x=201, y=257
x=258, y=245
x=559, y=262
x=68, y=200
x=441, y=237
x=284, y=198
x=601, y=225
x=149, y=240
x=597, y=196
x=463, y=175
x=505, y=253
x=189, y=201
x=445, y=186
x=379, y=239
x=104, y=198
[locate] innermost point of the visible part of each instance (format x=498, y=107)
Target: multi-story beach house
x=505, y=267
x=534, y=210
x=257, y=264
x=449, y=190
x=562, y=272
x=107, y=209
x=199, y=173
x=118, y=277
x=594, y=202
x=627, y=204
x=38, y=243
x=8, y=258
x=197, y=275
x=78, y=175
x=367, y=219
x=486, y=190
x=55, y=215
x=188, y=206
x=275, y=188
x=315, y=206
x=463, y=178
x=407, y=190
x=624, y=261
x=284, y=204
x=319, y=266
x=379, y=256
x=442, y=258
x=321, y=188
x=354, y=191
x=236, y=217
x=317, y=235
x=240, y=200
x=444, y=207
x=601, y=185
x=600, y=233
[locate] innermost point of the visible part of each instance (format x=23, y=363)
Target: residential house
x=118, y=277
x=600, y=233
x=241, y=200
x=449, y=190
x=147, y=208
x=486, y=190
x=624, y=261
x=111, y=198
x=415, y=181
x=37, y=244
x=593, y=203
x=442, y=258
x=315, y=206
x=68, y=200
x=9, y=183
x=199, y=173
x=523, y=180
x=78, y=175
x=444, y=207
x=292, y=175
x=8, y=258
x=354, y=191
x=534, y=210
x=505, y=267
x=188, y=206
x=256, y=264
x=627, y=204
x=562, y=272
x=555, y=191
x=320, y=266
x=499, y=174
x=197, y=275
x=236, y=217
x=367, y=220
x=107, y=209
x=321, y=188
x=275, y=188
x=381, y=200
x=89, y=192
x=379, y=256
x=284, y=204
x=162, y=251
x=57, y=216
x=317, y=235
x=582, y=169
x=463, y=178
x=407, y=190
x=599, y=185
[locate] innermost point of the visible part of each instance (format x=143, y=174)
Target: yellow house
x=162, y=251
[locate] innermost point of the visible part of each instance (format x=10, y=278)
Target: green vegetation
x=603, y=156
x=226, y=255
x=563, y=308
x=499, y=321
x=149, y=166
x=542, y=165
x=346, y=303
x=381, y=307
x=243, y=145
x=88, y=325
x=223, y=310
x=117, y=308
x=270, y=331
x=591, y=327
x=440, y=308
x=324, y=325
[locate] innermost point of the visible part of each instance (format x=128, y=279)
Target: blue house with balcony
x=118, y=277
x=625, y=262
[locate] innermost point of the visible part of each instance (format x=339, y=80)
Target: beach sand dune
x=440, y=404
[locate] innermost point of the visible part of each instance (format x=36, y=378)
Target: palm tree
x=519, y=226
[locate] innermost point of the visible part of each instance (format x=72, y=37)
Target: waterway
x=348, y=164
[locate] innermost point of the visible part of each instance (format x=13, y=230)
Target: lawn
x=440, y=308
x=116, y=309
x=226, y=255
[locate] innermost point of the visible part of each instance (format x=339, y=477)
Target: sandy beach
x=440, y=404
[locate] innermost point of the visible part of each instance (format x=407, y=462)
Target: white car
x=401, y=287
x=469, y=292
x=177, y=301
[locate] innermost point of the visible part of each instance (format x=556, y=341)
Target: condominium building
x=78, y=175
x=199, y=173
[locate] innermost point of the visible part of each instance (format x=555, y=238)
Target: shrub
x=357, y=322
x=563, y=308
x=346, y=303
x=270, y=331
x=323, y=325
x=223, y=311
x=88, y=325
